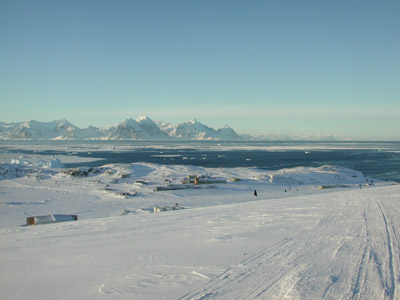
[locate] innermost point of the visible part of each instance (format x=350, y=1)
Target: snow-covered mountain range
x=141, y=129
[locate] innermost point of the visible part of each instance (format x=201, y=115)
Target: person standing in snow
x=255, y=193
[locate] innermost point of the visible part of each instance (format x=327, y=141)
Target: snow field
x=305, y=243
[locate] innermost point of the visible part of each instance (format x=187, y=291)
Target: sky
x=262, y=67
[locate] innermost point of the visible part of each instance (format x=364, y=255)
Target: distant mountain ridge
x=143, y=128
x=196, y=130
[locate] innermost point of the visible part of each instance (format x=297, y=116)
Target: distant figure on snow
x=255, y=193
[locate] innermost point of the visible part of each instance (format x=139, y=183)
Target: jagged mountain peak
x=144, y=119
x=141, y=128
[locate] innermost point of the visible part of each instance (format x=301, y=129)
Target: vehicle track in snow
x=236, y=274
x=278, y=269
x=392, y=262
x=359, y=283
x=324, y=261
x=379, y=259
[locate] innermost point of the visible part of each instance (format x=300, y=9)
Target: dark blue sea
x=380, y=160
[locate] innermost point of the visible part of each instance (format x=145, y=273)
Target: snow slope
x=293, y=241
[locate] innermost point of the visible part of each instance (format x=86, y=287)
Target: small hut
x=47, y=219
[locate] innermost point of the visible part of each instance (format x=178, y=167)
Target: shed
x=47, y=219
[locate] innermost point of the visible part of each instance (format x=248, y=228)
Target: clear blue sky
x=307, y=67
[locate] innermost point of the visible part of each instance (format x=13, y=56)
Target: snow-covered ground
x=310, y=233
